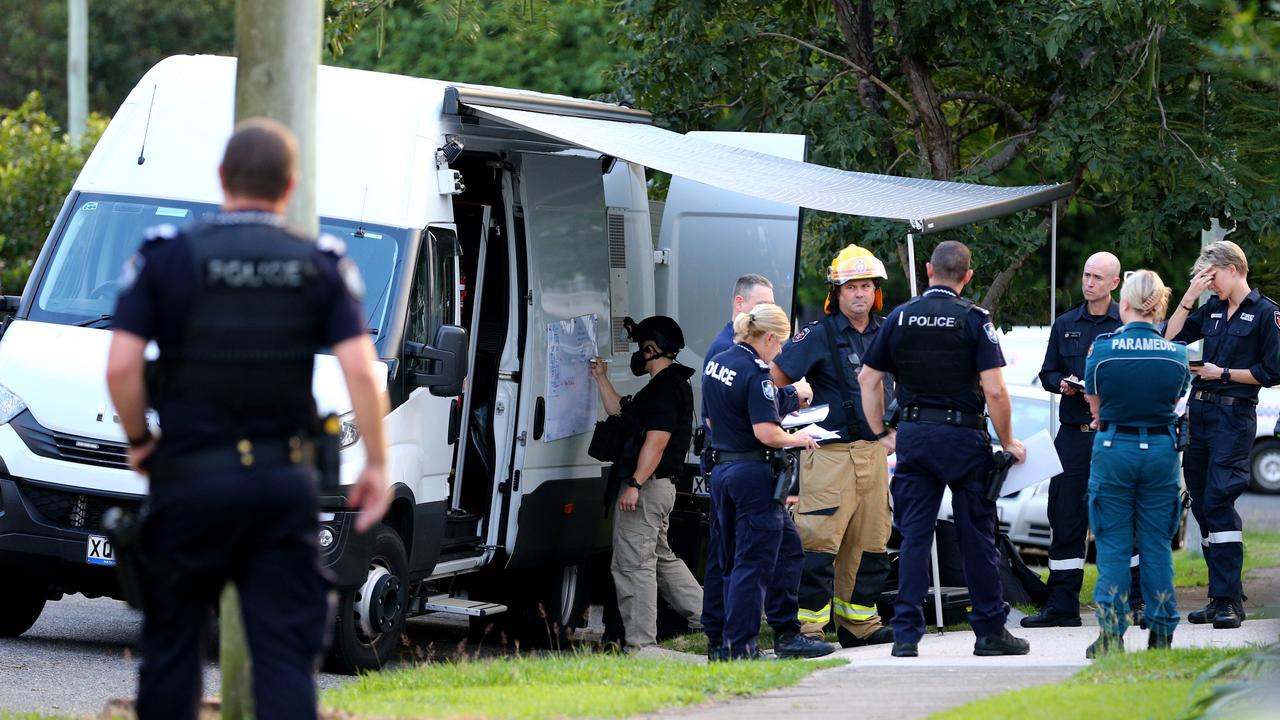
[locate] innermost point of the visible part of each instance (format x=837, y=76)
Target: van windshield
x=81, y=281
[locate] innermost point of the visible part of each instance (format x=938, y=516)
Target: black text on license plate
x=99, y=551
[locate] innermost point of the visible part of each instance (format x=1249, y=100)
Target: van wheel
x=1264, y=466
x=550, y=604
x=20, y=607
x=371, y=617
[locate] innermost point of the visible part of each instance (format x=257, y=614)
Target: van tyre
x=1264, y=467
x=371, y=618
x=544, y=606
x=20, y=607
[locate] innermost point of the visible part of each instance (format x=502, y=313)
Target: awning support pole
x=911, y=263
x=1053, y=301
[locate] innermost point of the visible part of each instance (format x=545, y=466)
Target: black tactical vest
x=251, y=335
x=934, y=354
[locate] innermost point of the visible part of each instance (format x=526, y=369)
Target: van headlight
x=10, y=405
x=350, y=432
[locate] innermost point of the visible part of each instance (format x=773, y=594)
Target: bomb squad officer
x=945, y=356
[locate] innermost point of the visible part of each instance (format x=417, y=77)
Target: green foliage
x=126, y=37
x=1120, y=98
x=567, y=685
x=38, y=164
x=558, y=47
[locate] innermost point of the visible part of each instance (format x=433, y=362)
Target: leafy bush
x=38, y=163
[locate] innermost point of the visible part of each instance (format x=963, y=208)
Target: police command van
x=479, y=238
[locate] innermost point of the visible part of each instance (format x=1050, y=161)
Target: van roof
x=374, y=129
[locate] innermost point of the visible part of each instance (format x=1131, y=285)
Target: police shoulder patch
x=804, y=332
x=350, y=274
x=767, y=387
x=990, y=330
x=167, y=231
x=331, y=244
x=129, y=273
x=1277, y=316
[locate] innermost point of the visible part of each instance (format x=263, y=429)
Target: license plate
x=99, y=551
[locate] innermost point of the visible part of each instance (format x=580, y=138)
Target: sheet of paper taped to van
x=929, y=205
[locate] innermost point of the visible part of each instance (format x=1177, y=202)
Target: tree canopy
x=1123, y=98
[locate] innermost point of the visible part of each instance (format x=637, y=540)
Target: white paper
x=805, y=416
x=1042, y=463
x=571, y=390
x=819, y=433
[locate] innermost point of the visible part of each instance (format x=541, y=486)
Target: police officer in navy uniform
x=741, y=404
x=1241, y=332
x=238, y=306
x=1070, y=338
x=945, y=356
x=749, y=291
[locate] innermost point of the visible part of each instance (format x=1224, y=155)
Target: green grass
x=1261, y=550
x=569, y=685
x=1132, y=686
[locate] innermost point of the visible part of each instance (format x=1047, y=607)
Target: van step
x=460, y=606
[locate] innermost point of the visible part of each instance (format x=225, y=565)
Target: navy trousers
x=754, y=536
x=259, y=529
x=1216, y=469
x=932, y=457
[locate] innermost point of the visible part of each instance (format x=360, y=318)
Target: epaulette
x=331, y=244
x=167, y=231
x=1106, y=335
x=975, y=306
x=804, y=331
x=761, y=364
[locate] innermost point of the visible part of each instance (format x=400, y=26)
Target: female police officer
x=1133, y=379
x=741, y=406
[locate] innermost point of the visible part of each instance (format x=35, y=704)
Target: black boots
x=796, y=645
x=1224, y=614
x=1048, y=617
x=1159, y=641
x=881, y=636
x=905, y=649
x=1106, y=644
x=1001, y=644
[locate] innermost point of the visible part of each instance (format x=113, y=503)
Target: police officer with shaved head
x=945, y=356
x=239, y=304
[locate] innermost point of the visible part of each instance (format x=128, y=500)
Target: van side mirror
x=446, y=362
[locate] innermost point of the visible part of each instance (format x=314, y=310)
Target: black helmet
x=662, y=330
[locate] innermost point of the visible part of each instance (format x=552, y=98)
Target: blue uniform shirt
x=1248, y=340
x=157, y=294
x=808, y=355
x=737, y=393
x=788, y=400
x=983, y=340
x=1072, y=335
x=1137, y=375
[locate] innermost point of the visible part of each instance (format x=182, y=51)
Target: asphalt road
x=83, y=652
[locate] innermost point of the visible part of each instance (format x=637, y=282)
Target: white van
x=456, y=220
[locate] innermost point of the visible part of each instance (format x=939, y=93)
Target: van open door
x=710, y=237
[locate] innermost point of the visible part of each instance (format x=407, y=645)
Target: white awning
x=928, y=205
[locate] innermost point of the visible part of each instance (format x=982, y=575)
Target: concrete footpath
x=875, y=685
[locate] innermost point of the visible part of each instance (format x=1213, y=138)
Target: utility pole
x=278, y=53
x=77, y=68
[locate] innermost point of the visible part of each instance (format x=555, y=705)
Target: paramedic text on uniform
x=1241, y=332
x=741, y=404
x=1070, y=338
x=1133, y=381
x=843, y=514
x=232, y=481
x=780, y=596
x=643, y=563
x=945, y=356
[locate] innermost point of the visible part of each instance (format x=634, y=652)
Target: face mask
x=638, y=361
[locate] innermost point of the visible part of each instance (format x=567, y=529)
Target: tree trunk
x=858, y=30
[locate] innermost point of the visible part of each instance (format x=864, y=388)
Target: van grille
x=71, y=448
x=71, y=509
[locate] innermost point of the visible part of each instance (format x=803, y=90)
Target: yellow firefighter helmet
x=855, y=263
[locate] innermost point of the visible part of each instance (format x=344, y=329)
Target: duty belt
x=246, y=455
x=1132, y=429
x=1217, y=399
x=1081, y=428
x=940, y=416
x=725, y=456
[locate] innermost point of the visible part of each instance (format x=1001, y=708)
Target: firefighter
x=843, y=515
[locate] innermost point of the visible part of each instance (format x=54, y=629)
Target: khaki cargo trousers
x=644, y=565
x=844, y=521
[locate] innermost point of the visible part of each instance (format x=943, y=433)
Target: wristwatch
x=1226, y=375
x=632, y=482
x=882, y=434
